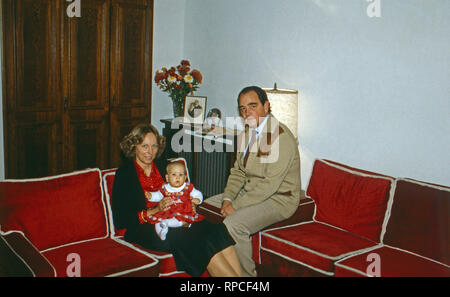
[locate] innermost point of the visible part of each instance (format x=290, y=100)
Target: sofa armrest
x=210, y=212
x=19, y=257
x=304, y=213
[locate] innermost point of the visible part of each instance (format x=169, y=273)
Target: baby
x=181, y=192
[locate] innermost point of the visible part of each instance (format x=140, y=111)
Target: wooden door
x=86, y=86
x=131, y=63
x=73, y=87
x=32, y=94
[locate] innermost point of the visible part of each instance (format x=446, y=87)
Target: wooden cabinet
x=73, y=87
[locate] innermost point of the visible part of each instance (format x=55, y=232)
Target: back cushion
x=419, y=221
x=349, y=198
x=108, y=181
x=55, y=210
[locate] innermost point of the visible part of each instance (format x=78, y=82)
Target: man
x=264, y=185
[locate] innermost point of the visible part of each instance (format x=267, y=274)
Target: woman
x=202, y=246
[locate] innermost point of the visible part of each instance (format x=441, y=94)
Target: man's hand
x=227, y=209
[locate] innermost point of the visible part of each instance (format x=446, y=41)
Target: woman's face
x=147, y=150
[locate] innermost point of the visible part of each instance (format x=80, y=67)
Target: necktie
x=250, y=144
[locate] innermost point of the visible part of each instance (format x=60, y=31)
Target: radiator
x=209, y=170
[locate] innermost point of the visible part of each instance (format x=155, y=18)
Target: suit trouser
x=245, y=222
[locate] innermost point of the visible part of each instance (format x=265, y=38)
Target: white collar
x=171, y=189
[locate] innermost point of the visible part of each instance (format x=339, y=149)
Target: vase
x=178, y=106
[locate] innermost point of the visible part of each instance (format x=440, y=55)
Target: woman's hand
x=165, y=204
x=194, y=202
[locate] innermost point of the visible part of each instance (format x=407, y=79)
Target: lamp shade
x=284, y=106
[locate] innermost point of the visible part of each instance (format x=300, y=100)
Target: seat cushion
x=313, y=244
x=56, y=210
x=420, y=220
x=393, y=263
x=350, y=198
x=103, y=257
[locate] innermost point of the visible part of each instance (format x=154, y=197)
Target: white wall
x=374, y=92
x=168, y=37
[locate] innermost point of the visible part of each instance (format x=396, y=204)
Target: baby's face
x=176, y=175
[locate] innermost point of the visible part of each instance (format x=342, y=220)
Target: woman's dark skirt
x=192, y=248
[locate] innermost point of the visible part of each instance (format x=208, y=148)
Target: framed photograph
x=194, y=109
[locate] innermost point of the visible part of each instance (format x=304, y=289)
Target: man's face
x=251, y=109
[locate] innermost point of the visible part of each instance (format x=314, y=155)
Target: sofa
x=350, y=222
x=353, y=222
x=62, y=226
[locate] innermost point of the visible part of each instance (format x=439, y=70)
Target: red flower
x=172, y=71
x=183, y=69
x=159, y=76
x=197, y=75
x=185, y=63
x=178, y=81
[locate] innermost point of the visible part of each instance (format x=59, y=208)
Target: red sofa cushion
x=349, y=198
x=313, y=244
x=108, y=181
x=393, y=262
x=420, y=220
x=103, y=257
x=55, y=210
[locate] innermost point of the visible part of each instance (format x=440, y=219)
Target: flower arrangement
x=178, y=82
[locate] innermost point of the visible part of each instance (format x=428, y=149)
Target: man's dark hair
x=262, y=95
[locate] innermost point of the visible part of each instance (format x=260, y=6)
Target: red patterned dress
x=181, y=209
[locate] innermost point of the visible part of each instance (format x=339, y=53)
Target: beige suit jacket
x=272, y=170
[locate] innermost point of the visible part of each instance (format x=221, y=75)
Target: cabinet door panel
x=131, y=61
x=37, y=154
x=36, y=55
x=85, y=143
x=131, y=40
x=87, y=56
x=86, y=87
x=32, y=122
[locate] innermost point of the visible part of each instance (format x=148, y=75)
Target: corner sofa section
x=348, y=218
x=351, y=218
x=44, y=222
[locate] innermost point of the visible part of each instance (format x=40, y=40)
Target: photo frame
x=194, y=109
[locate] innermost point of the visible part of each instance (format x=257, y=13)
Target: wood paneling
x=131, y=39
x=73, y=87
x=31, y=87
